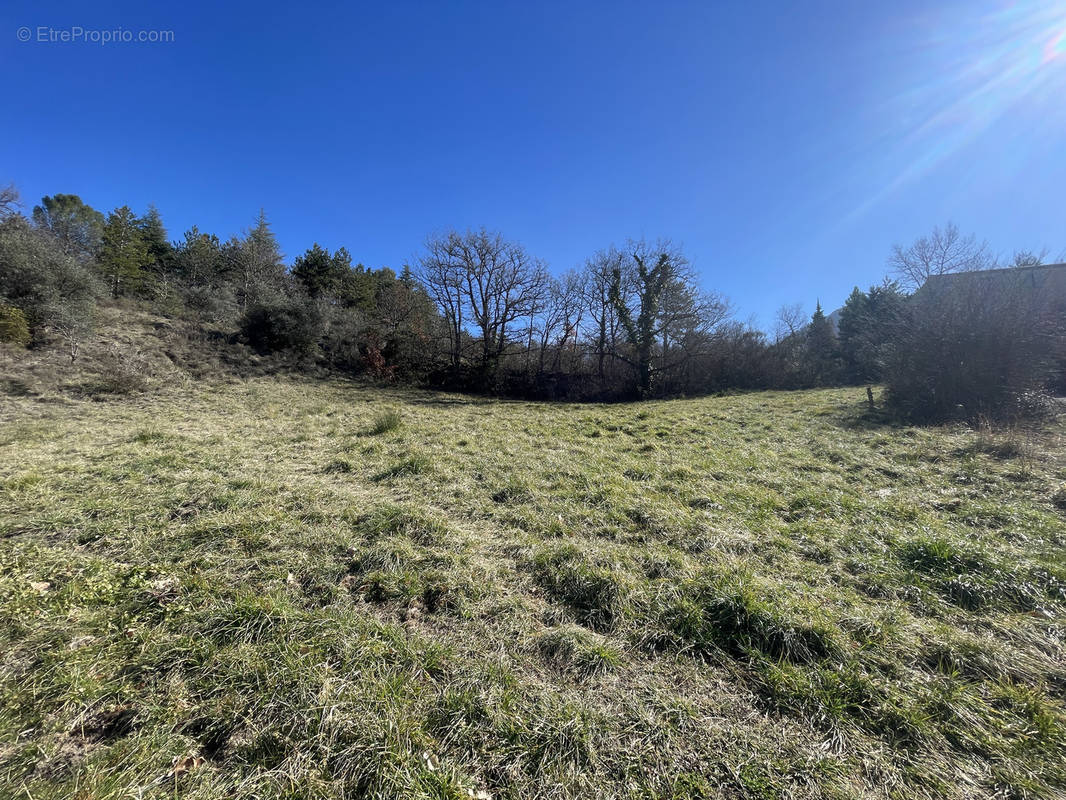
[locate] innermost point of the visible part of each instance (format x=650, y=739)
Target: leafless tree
x=481, y=277
x=596, y=296
x=560, y=322
x=72, y=327
x=789, y=321
x=441, y=276
x=943, y=251
x=10, y=202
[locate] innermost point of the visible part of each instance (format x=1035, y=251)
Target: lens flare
x=969, y=73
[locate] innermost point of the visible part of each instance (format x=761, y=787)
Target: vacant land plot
x=296, y=589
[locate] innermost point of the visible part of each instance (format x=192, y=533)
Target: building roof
x=1035, y=277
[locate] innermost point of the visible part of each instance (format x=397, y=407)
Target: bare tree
x=493, y=283
x=687, y=317
x=943, y=251
x=72, y=330
x=10, y=202
x=441, y=276
x=789, y=321
x=596, y=294
x=561, y=319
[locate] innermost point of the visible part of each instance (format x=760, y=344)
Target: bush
x=211, y=303
x=50, y=288
x=282, y=324
x=14, y=328
x=980, y=345
x=123, y=370
x=341, y=338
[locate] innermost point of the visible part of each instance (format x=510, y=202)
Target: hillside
x=277, y=587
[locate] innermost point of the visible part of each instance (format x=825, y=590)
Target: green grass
x=294, y=589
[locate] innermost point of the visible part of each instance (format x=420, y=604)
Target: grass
x=235, y=591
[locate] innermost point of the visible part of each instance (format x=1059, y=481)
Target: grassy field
x=314, y=590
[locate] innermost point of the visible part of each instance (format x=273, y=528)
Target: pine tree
x=822, y=348
x=199, y=259
x=124, y=254
x=260, y=266
x=155, y=237
x=868, y=325
x=322, y=273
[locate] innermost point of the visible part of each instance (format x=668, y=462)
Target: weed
x=386, y=422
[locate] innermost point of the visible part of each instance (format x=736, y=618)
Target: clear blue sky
x=785, y=145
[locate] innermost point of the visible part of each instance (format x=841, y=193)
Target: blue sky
x=785, y=146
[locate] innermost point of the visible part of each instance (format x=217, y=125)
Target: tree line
x=474, y=311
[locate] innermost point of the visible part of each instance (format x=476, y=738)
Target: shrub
x=14, y=328
x=971, y=346
x=282, y=324
x=123, y=371
x=51, y=288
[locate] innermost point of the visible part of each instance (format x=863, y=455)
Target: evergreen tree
x=868, y=324
x=822, y=350
x=259, y=265
x=124, y=254
x=154, y=234
x=854, y=330
x=199, y=259
x=321, y=273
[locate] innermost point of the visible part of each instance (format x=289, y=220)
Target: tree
x=54, y=289
x=943, y=252
x=155, y=235
x=561, y=319
x=867, y=327
x=124, y=254
x=322, y=273
x=822, y=351
x=441, y=276
x=1028, y=258
x=665, y=319
x=160, y=267
x=78, y=227
x=10, y=202
x=481, y=277
x=596, y=293
x=258, y=265
x=983, y=345
x=789, y=320
x=199, y=260
x=651, y=272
